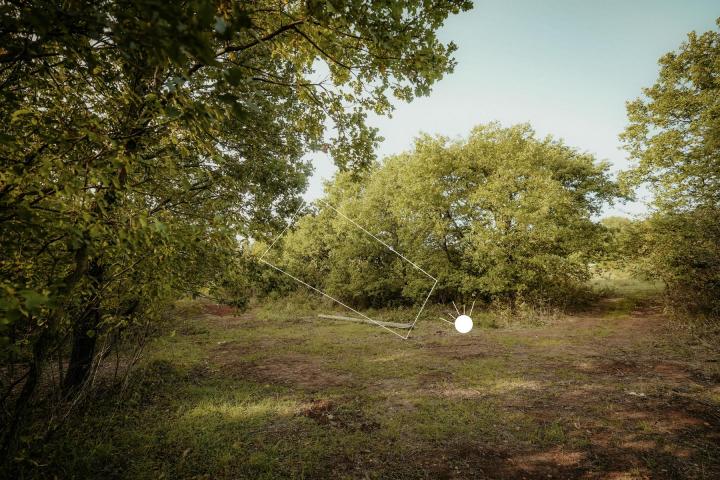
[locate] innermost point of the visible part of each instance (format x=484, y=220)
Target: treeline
x=504, y=216
x=674, y=138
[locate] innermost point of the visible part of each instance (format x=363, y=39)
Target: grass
x=278, y=393
x=625, y=284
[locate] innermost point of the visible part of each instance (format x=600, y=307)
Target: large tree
x=501, y=215
x=141, y=137
x=674, y=138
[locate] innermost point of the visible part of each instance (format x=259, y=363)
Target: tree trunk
x=40, y=348
x=83, y=351
x=22, y=403
x=513, y=303
x=84, y=336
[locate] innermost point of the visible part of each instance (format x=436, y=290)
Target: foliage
x=500, y=215
x=674, y=137
x=683, y=251
x=142, y=138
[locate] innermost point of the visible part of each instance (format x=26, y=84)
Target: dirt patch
x=219, y=310
x=232, y=320
x=555, y=457
x=230, y=350
x=478, y=461
x=666, y=371
x=460, y=351
x=462, y=460
x=620, y=368
x=319, y=410
x=293, y=370
x=433, y=379
x=672, y=371
x=585, y=395
x=300, y=371
x=326, y=412
x=653, y=419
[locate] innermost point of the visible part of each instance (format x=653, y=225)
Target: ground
x=619, y=391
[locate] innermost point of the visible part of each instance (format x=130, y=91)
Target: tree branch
x=317, y=47
x=240, y=48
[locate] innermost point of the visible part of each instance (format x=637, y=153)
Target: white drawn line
x=471, y=308
x=456, y=309
x=335, y=299
x=376, y=238
x=331, y=298
x=421, y=309
x=446, y=321
x=292, y=219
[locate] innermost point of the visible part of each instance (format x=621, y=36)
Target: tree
x=674, y=138
x=503, y=215
x=141, y=138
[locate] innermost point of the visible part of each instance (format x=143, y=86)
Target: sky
x=566, y=67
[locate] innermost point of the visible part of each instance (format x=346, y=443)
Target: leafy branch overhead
x=142, y=138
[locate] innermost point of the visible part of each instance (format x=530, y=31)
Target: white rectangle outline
x=292, y=219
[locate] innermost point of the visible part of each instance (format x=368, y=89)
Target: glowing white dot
x=463, y=324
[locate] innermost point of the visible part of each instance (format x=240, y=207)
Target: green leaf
x=234, y=76
x=34, y=300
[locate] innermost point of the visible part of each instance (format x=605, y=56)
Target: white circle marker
x=463, y=324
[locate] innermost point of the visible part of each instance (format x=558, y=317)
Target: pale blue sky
x=566, y=67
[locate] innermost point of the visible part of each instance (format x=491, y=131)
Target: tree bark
x=40, y=348
x=22, y=403
x=85, y=333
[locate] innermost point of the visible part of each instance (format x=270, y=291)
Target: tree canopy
x=141, y=138
x=674, y=139
x=502, y=214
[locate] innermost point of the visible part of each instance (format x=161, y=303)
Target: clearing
x=617, y=392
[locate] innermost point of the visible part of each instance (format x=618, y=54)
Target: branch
x=240, y=48
x=317, y=47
